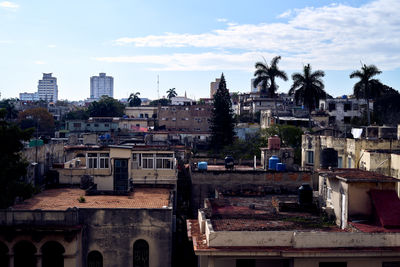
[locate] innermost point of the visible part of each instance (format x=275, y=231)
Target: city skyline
x=189, y=45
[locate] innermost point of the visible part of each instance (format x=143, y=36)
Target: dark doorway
x=52, y=254
x=24, y=254
x=95, y=259
x=141, y=254
x=121, y=175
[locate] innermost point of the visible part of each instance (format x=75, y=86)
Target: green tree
x=134, y=100
x=106, y=107
x=367, y=87
x=12, y=166
x=222, y=121
x=308, y=88
x=161, y=101
x=265, y=77
x=171, y=93
x=8, y=105
x=79, y=114
x=38, y=118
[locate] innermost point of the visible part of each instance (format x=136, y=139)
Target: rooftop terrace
x=64, y=198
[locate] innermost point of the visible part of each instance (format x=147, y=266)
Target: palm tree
x=367, y=87
x=266, y=78
x=134, y=100
x=171, y=93
x=308, y=88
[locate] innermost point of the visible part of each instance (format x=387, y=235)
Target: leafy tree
x=161, y=101
x=387, y=108
x=245, y=149
x=8, y=105
x=367, y=87
x=134, y=100
x=265, y=76
x=171, y=93
x=308, y=88
x=38, y=118
x=12, y=166
x=106, y=107
x=80, y=114
x=222, y=121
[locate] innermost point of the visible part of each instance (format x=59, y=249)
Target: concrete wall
x=114, y=231
x=205, y=183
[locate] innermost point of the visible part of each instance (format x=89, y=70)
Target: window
x=95, y=259
x=104, y=159
x=96, y=125
x=332, y=106
x=92, y=161
x=340, y=162
x=310, y=157
x=106, y=125
x=347, y=119
x=346, y=107
x=355, y=106
x=146, y=115
x=164, y=160
x=140, y=253
x=77, y=125
x=348, y=162
x=147, y=161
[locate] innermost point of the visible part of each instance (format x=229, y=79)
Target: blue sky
x=190, y=43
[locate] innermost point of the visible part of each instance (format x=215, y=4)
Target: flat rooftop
x=356, y=175
x=64, y=198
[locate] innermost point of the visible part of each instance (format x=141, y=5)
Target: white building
x=29, y=96
x=101, y=85
x=47, y=88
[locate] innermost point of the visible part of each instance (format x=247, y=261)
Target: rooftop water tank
x=328, y=158
x=305, y=194
x=229, y=162
x=202, y=166
x=272, y=162
x=281, y=167
x=274, y=142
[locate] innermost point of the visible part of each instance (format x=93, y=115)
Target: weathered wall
x=114, y=231
x=205, y=183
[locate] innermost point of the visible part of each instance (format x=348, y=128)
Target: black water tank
x=229, y=162
x=328, y=158
x=305, y=194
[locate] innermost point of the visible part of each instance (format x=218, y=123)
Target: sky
x=187, y=44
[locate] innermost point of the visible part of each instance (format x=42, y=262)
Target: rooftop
x=64, y=198
x=356, y=175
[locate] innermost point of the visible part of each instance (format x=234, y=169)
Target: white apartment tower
x=101, y=85
x=47, y=88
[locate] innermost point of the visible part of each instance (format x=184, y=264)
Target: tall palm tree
x=308, y=88
x=171, y=93
x=367, y=87
x=134, y=100
x=265, y=77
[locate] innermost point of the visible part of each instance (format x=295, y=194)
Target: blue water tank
x=272, y=162
x=281, y=167
x=202, y=166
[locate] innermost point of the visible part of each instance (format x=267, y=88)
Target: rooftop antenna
x=158, y=87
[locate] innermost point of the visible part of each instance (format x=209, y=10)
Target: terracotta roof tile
x=64, y=198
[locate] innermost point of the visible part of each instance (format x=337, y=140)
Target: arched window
x=52, y=254
x=24, y=254
x=3, y=254
x=95, y=259
x=140, y=254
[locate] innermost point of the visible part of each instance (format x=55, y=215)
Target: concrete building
x=29, y=96
x=349, y=150
x=255, y=228
x=101, y=85
x=214, y=87
x=181, y=100
x=141, y=112
x=194, y=118
x=47, y=88
x=71, y=228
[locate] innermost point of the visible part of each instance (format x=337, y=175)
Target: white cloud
x=39, y=62
x=9, y=5
x=333, y=37
x=222, y=20
x=51, y=46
